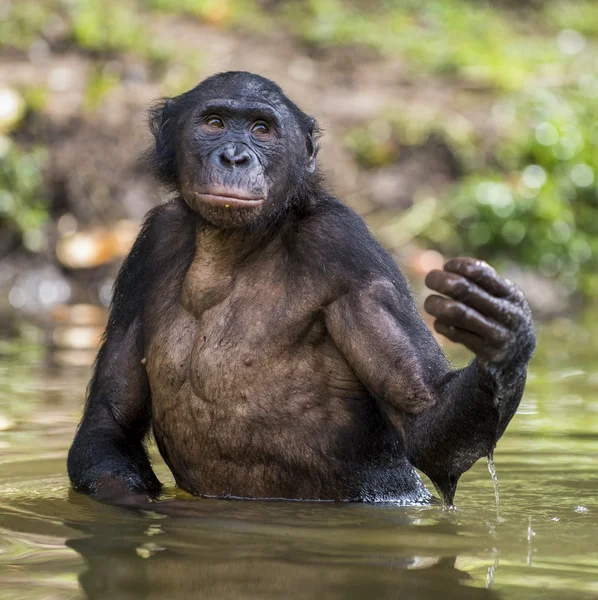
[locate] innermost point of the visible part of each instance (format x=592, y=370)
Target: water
x=494, y=477
x=56, y=544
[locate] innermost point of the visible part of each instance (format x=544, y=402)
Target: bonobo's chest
x=242, y=302
x=240, y=324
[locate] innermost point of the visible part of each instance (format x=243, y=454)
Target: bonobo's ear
x=162, y=124
x=313, y=147
x=159, y=119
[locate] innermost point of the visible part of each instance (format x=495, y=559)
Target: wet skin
x=272, y=344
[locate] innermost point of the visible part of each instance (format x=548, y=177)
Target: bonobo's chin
x=225, y=207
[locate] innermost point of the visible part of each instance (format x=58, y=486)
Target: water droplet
x=530, y=534
x=492, y=471
x=492, y=569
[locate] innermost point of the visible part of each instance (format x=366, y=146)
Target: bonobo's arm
x=107, y=458
x=449, y=418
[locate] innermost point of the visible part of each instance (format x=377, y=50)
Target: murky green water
x=56, y=544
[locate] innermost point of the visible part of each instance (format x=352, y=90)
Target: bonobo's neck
x=235, y=244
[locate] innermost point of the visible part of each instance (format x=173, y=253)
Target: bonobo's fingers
x=475, y=343
x=458, y=314
x=485, y=312
x=464, y=290
x=483, y=274
x=462, y=324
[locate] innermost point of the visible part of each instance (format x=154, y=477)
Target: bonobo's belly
x=268, y=408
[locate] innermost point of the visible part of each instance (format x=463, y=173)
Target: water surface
x=57, y=544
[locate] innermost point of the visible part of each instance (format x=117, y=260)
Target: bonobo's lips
x=228, y=198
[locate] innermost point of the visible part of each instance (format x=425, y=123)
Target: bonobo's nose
x=234, y=156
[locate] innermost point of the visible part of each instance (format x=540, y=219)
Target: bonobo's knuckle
x=458, y=288
x=517, y=295
x=502, y=338
x=482, y=265
x=475, y=265
x=496, y=355
x=460, y=261
x=455, y=310
x=508, y=314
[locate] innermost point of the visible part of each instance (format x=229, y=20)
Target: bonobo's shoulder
x=169, y=218
x=167, y=235
x=163, y=249
x=331, y=223
x=341, y=241
x=329, y=210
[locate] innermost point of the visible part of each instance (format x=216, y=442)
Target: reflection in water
x=492, y=569
x=183, y=558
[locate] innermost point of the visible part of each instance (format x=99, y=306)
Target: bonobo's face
x=228, y=159
x=242, y=151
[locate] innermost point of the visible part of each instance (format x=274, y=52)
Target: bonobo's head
x=238, y=150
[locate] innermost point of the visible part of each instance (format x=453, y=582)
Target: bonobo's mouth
x=226, y=198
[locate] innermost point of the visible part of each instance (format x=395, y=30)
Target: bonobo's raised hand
x=483, y=311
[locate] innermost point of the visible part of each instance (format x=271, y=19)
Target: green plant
x=471, y=40
x=535, y=200
x=23, y=205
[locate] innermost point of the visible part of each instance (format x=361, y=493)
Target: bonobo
x=271, y=343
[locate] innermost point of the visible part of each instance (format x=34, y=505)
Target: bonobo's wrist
x=488, y=375
x=498, y=379
x=516, y=361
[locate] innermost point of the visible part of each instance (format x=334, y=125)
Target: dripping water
x=492, y=471
x=492, y=569
x=530, y=534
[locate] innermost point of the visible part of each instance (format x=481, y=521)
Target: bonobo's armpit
x=271, y=343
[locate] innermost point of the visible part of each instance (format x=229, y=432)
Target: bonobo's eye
x=261, y=129
x=213, y=123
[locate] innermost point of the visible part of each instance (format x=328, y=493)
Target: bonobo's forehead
x=235, y=105
x=246, y=87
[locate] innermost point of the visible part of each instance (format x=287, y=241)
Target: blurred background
x=453, y=127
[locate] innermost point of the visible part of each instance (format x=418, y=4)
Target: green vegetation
x=453, y=38
x=521, y=117
x=535, y=198
x=529, y=194
x=22, y=200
